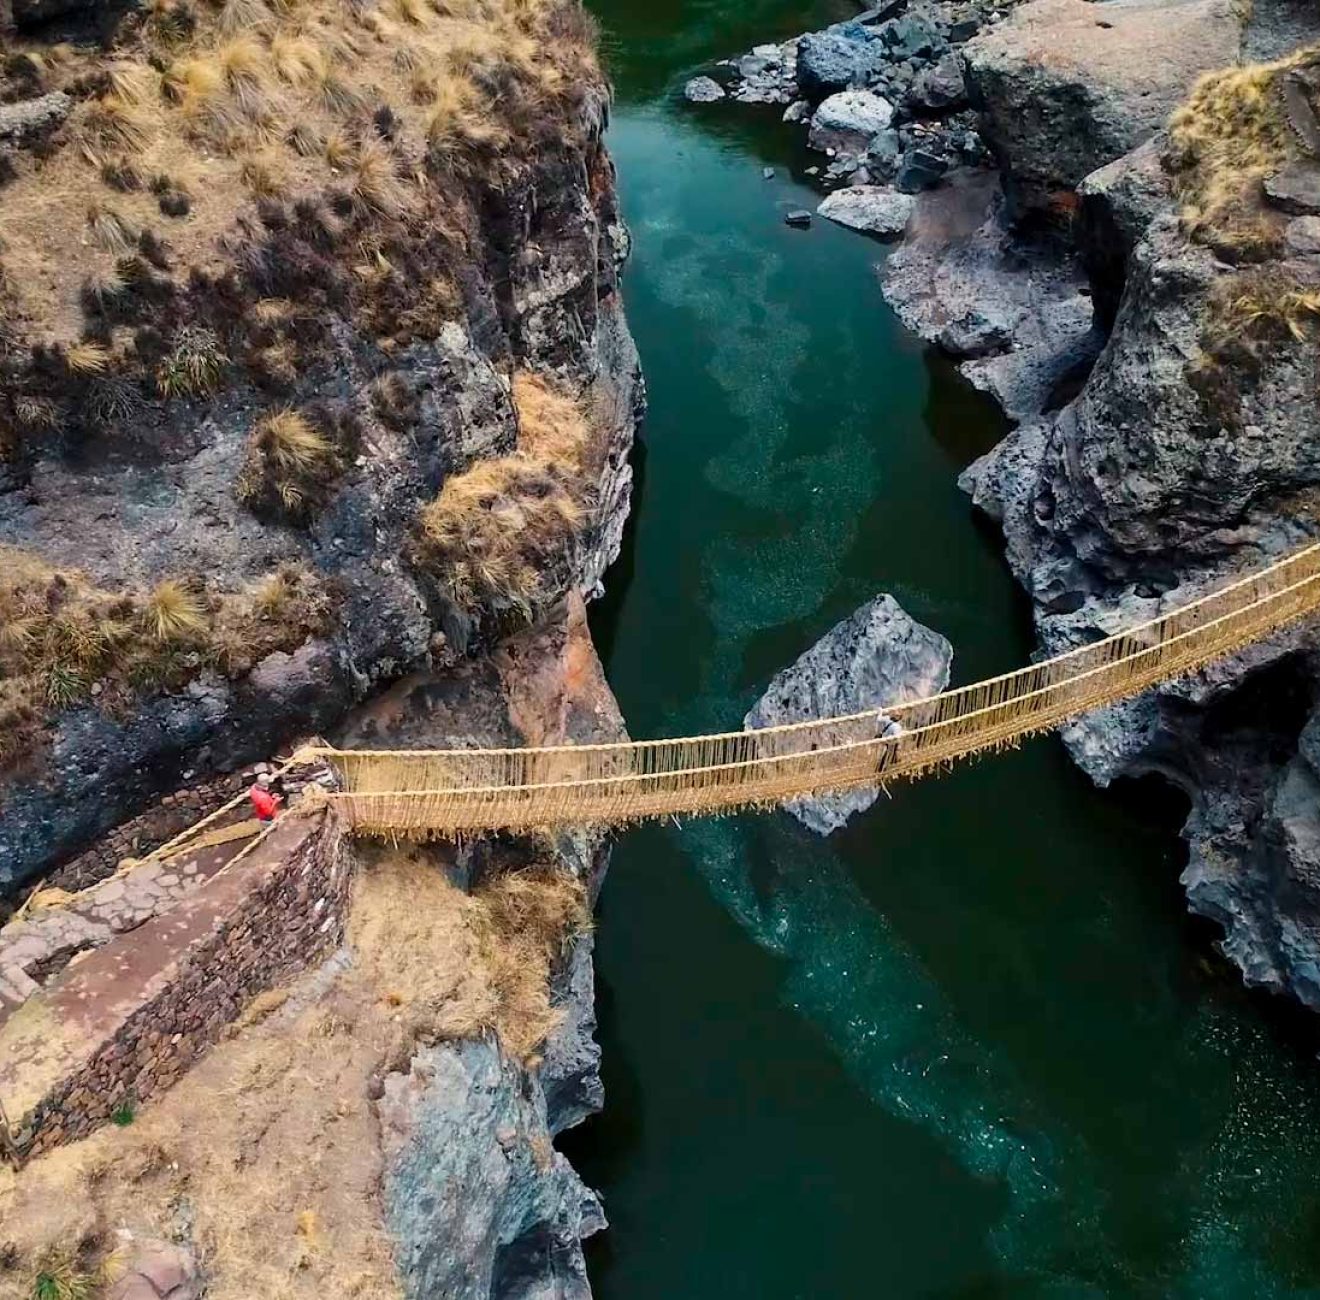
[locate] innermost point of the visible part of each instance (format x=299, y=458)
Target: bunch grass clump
x=500, y=534
x=1225, y=140
x=64, y=641
x=292, y=462
x=194, y=366
x=457, y=965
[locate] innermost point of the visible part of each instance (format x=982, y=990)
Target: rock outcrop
x=1162, y=379
x=419, y=396
x=1064, y=87
x=1188, y=455
x=879, y=655
x=481, y=1203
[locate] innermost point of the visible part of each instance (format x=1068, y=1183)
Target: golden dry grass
x=226, y=101
x=290, y=463
x=456, y=965
x=1226, y=138
x=61, y=635
x=497, y=530
x=271, y=1142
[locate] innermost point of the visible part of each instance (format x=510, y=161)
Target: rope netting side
x=423, y=792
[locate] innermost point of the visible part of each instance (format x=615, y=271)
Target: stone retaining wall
x=272, y=918
x=149, y=830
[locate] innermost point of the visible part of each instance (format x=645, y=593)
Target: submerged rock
x=879, y=655
x=798, y=217
x=703, y=90
x=871, y=208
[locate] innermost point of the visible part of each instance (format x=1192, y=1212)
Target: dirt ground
x=265, y=1159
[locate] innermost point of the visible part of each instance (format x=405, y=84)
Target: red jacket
x=264, y=804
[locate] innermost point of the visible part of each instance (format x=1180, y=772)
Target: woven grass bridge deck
x=442, y=793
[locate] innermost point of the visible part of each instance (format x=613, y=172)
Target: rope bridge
x=422, y=794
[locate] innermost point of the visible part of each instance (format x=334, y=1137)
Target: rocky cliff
x=1135, y=278
x=316, y=405
x=1189, y=452
x=313, y=373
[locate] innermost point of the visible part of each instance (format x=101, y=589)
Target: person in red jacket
x=265, y=801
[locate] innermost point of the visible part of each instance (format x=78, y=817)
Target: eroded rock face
x=480, y=1203
x=1018, y=316
x=880, y=655
x=1065, y=87
x=467, y=1142
x=1171, y=471
x=161, y=493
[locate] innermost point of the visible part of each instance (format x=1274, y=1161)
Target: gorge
x=970, y=1044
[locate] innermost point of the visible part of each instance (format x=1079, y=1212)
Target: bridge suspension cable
x=444, y=793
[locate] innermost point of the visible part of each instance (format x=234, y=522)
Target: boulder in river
x=848, y=120
x=703, y=90
x=878, y=655
x=875, y=209
x=839, y=57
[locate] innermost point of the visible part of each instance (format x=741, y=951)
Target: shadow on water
x=971, y=1046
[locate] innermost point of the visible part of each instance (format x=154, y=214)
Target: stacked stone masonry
x=148, y=831
x=293, y=913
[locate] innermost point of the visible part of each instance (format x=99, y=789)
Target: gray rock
x=799, y=217
x=1296, y=189
x=870, y=208
x=798, y=111
x=767, y=173
x=1119, y=201
x=918, y=170
x=913, y=36
x=31, y=120
x=959, y=264
x=976, y=333
x=703, y=90
x=478, y=1201
x=879, y=655
x=848, y=55
x=940, y=88
x=882, y=154
x=1303, y=235
x=1060, y=95
x=848, y=121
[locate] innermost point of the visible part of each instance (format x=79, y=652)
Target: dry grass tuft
x=1269, y=307
x=87, y=358
x=194, y=366
x=500, y=534
x=174, y=613
x=1224, y=141
x=63, y=1274
x=110, y=230
x=292, y=462
x=61, y=636
x=457, y=965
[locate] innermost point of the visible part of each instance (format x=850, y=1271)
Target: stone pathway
x=39, y=945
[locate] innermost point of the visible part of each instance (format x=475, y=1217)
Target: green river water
x=970, y=1046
